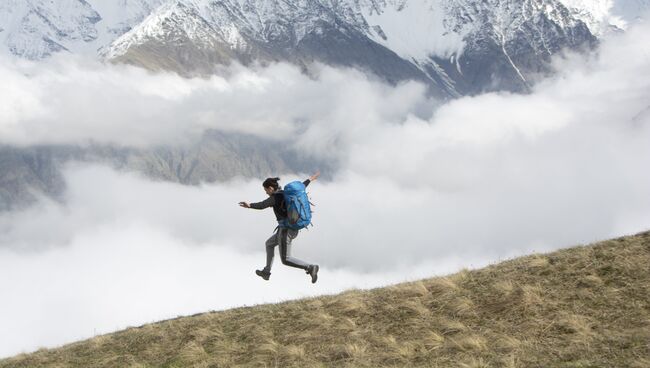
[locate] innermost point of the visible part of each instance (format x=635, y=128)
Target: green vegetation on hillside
x=586, y=306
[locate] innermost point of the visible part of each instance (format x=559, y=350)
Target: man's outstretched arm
x=269, y=202
x=311, y=178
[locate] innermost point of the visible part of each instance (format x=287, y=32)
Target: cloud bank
x=67, y=100
x=420, y=191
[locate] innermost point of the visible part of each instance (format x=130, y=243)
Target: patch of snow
x=416, y=28
x=233, y=37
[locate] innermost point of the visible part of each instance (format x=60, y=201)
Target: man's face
x=269, y=190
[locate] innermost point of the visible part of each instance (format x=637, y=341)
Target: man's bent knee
x=284, y=260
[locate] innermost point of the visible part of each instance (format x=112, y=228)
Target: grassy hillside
x=587, y=306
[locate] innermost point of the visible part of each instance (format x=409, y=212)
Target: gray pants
x=283, y=238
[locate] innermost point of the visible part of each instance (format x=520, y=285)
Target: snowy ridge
x=153, y=27
x=456, y=46
x=428, y=31
x=119, y=16
x=414, y=29
x=233, y=21
x=35, y=29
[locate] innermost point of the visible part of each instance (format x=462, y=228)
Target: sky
x=422, y=188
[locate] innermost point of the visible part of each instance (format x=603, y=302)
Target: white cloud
x=69, y=101
x=480, y=179
x=128, y=251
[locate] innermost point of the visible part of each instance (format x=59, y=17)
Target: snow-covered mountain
x=457, y=47
x=35, y=29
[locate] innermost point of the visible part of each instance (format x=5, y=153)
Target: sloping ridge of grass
x=587, y=306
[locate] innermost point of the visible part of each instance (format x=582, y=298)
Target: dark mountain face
x=489, y=65
x=28, y=172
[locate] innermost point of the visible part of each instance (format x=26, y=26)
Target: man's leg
x=270, y=250
x=265, y=273
x=286, y=236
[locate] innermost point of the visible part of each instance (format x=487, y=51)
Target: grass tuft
x=467, y=343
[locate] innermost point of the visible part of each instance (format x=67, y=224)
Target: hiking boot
x=263, y=274
x=313, y=272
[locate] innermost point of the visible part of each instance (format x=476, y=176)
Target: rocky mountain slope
x=586, y=306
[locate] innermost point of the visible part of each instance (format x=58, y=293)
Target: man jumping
x=282, y=235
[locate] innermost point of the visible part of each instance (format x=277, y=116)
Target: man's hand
x=245, y=204
x=315, y=176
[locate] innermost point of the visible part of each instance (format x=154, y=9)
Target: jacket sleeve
x=269, y=202
x=306, y=182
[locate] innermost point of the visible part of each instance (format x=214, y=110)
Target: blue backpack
x=297, y=205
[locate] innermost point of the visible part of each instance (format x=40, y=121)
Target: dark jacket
x=276, y=200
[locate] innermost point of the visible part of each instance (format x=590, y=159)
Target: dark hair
x=271, y=182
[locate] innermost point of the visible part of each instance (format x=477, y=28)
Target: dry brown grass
x=579, y=307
